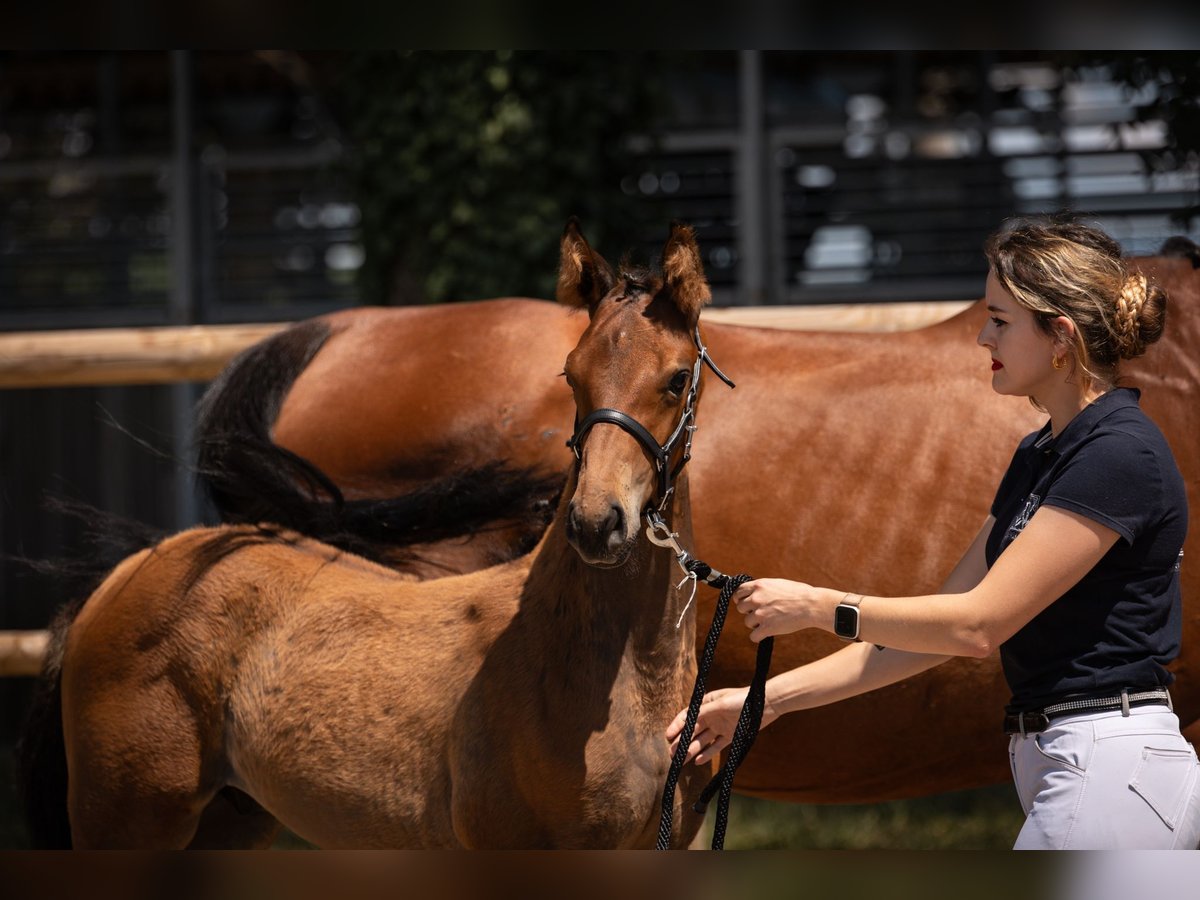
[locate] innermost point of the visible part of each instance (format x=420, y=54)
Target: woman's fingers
x=677, y=723
x=676, y=726
x=714, y=725
x=700, y=741
x=705, y=746
x=712, y=750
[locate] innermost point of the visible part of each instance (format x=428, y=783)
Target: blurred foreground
x=982, y=819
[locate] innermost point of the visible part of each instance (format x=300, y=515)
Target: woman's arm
x=1056, y=549
x=854, y=670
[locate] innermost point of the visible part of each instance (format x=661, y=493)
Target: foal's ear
x=684, y=272
x=584, y=277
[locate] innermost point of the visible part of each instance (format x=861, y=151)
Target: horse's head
x=634, y=375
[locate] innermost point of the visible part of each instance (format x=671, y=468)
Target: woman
x=1074, y=575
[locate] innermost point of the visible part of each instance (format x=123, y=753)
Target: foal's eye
x=678, y=382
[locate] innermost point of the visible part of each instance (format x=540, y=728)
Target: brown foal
x=523, y=705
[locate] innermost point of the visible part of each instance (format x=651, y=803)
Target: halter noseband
x=660, y=453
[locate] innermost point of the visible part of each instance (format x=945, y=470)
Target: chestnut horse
x=859, y=461
x=518, y=706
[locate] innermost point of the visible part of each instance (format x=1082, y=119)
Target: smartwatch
x=845, y=618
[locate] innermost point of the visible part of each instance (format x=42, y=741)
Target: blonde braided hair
x=1134, y=294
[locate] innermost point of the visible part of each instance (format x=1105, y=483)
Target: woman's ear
x=1063, y=331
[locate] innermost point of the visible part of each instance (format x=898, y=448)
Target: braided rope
x=728, y=584
x=743, y=739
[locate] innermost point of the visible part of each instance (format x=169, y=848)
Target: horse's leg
x=234, y=821
x=134, y=762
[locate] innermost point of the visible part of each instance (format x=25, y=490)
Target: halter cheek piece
x=660, y=453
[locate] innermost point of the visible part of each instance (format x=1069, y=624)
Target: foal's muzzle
x=602, y=540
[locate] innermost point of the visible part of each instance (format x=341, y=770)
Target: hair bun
x=1141, y=315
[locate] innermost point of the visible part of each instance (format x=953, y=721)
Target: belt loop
x=1125, y=702
x=1170, y=705
x=1021, y=723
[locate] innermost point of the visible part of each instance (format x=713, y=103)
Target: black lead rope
x=748, y=721
x=739, y=747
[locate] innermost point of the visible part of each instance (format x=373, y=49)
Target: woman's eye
x=998, y=322
x=678, y=382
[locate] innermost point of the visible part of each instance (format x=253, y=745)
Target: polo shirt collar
x=1086, y=420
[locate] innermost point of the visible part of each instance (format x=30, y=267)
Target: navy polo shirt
x=1121, y=624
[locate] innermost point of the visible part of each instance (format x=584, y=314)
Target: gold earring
x=1058, y=361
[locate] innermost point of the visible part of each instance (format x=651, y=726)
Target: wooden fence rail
x=21, y=652
x=123, y=355
x=110, y=356
x=197, y=353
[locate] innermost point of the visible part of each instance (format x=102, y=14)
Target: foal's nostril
x=614, y=524
x=572, y=521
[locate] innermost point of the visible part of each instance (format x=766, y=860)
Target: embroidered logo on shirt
x=1022, y=518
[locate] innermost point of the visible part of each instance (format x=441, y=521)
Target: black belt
x=1039, y=720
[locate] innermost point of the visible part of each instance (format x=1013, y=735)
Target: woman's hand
x=773, y=606
x=719, y=713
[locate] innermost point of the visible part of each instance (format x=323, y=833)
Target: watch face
x=845, y=622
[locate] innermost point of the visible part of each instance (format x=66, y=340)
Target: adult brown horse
x=518, y=706
x=864, y=461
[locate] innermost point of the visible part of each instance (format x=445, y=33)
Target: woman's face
x=1021, y=352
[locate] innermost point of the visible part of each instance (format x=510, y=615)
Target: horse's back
x=390, y=401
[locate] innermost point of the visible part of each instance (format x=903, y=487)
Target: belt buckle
x=1037, y=721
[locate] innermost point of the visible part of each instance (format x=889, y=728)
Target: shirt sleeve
x=1112, y=479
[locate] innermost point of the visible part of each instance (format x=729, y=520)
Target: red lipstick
x=996, y=364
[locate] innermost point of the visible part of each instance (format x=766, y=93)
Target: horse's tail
x=251, y=479
x=41, y=750
x=1182, y=247
x=246, y=475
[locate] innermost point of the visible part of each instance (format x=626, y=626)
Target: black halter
x=660, y=453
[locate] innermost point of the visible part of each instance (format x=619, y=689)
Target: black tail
x=41, y=750
x=1183, y=247
x=245, y=474
x=251, y=479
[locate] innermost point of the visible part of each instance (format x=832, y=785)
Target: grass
x=980, y=819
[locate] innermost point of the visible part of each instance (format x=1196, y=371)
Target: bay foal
x=523, y=705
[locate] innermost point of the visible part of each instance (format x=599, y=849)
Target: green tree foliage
x=1169, y=82
x=1173, y=77
x=469, y=164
